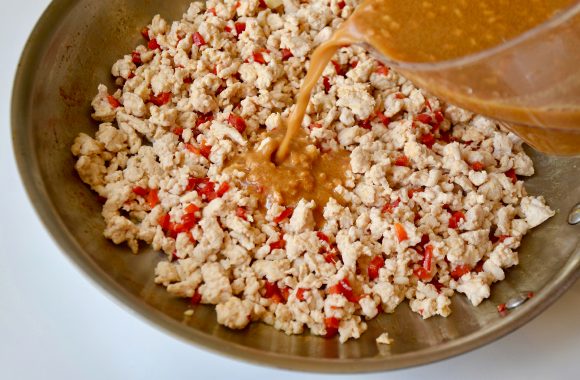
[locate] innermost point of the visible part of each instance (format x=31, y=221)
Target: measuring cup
x=531, y=84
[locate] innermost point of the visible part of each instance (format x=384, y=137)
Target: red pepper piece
x=332, y=324
x=164, y=221
x=326, y=84
x=153, y=198
x=338, y=68
x=376, y=263
x=477, y=166
x=178, y=131
x=382, y=69
x=287, y=213
x=300, y=294
x=136, y=58
x=271, y=290
x=428, y=140
x=237, y=122
x=145, y=33
x=198, y=39
x=331, y=256
x=114, y=102
x=141, y=191
x=191, y=209
x=389, y=207
x=412, y=192
x=224, y=187
x=402, y=160
x=203, y=118
x=280, y=244
x=383, y=118
x=161, y=99
x=456, y=218
x=424, y=272
x=259, y=57
x=212, y=11
x=400, y=232
x=459, y=271
x=344, y=288
x=196, y=298
x=153, y=45
x=241, y=213
x=286, y=54
x=240, y=27
x=322, y=236
x=512, y=175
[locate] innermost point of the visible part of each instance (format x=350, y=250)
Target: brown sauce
x=306, y=172
x=290, y=167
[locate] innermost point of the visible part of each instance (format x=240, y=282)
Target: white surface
x=55, y=324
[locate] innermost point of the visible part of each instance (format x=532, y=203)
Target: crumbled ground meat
x=433, y=201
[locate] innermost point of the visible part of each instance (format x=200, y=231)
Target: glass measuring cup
x=531, y=84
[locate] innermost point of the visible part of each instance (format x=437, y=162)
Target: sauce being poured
x=404, y=31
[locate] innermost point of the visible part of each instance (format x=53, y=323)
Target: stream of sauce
x=409, y=31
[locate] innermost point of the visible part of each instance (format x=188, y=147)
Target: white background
x=55, y=324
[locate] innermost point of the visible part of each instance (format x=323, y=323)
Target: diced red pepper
x=326, y=84
x=344, y=288
x=136, y=58
x=366, y=124
x=477, y=166
x=456, y=218
x=280, y=244
x=424, y=273
x=145, y=33
x=227, y=29
x=153, y=198
x=287, y=213
x=300, y=294
x=338, y=68
x=205, y=150
x=203, y=118
x=389, y=207
x=331, y=256
x=501, y=308
x=402, y=160
x=178, y=131
x=198, y=39
x=241, y=213
x=212, y=11
x=423, y=118
x=196, y=298
x=240, y=27
x=459, y=271
x=224, y=187
x=271, y=290
x=512, y=175
x=376, y=263
x=286, y=54
x=439, y=117
x=191, y=209
x=322, y=236
x=332, y=324
x=114, y=102
x=164, y=221
x=400, y=232
x=383, y=118
x=141, y=191
x=341, y=4
x=262, y=4
x=161, y=99
x=153, y=45
x=237, y=122
x=411, y=192
x=259, y=57
x=382, y=69
x=428, y=140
